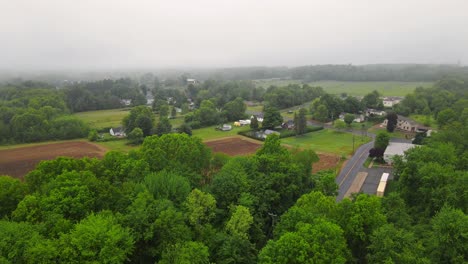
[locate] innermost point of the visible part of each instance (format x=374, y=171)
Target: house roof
x=409, y=120
x=395, y=148
x=118, y=129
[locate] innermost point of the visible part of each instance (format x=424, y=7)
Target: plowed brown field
x=234, y=146
x=18, y=162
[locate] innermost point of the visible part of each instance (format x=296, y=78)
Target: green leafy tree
x=381, y=140
x=449, y=242
x=173, y=112
x=176, y=151
x=322, y=242
x=372, y=100
x=348, y=119
x=136, y=136
x=167, y=185
x=359, y=219
x=240, y=222
x=200, y=208
x=339, y=124
x=140, y=116
x=392, y=120
x=185, y=128
x=93, y=135
x=254, y=123
x=272, y=117
x=12, y=192
x=321, y=114
x=393, y=245
x=446, y=116
x=97, y=238
x=163, y=127
x=235, y=109
x=300, y=122
x=163, y=111
x=230, y=182
x=186, y=253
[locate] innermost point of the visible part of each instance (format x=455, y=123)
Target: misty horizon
x=155, y=35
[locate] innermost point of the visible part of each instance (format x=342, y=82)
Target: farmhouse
x=394, y=149
x=391, y=101
x=117, y=132
x=374, y=112
x=407, y=124
x=288, y=125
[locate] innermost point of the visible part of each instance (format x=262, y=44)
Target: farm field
x=208, y=133
x=234, y=146
x=18, y=161
x=355, y=88
x=101, y=119
x=328, y=141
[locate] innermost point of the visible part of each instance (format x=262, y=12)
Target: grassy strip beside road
x=328, y=141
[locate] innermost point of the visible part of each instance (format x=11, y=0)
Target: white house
x=117, y=132
x=192, y=81
x=126, y=102
x=391, y=101
x=374, y=112
x=395, y=148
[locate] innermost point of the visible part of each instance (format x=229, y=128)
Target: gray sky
x=113, y=34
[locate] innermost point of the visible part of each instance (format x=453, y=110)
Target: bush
x=93, y=135
x=290, y=133
x=136, y=136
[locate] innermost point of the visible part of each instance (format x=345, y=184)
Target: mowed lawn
x=327, y=141
x=209, y=133
x=103, y=118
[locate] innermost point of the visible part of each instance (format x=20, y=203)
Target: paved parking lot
x=373, y=179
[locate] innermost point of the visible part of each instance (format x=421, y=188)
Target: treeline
x=172, y=201
x=446, y=101
x=104, y=94
x=30, y=114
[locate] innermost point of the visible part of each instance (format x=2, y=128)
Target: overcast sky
x=116, y=34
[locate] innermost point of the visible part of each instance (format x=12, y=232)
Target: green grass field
x=355, y=88
x=208, y=133
x=103, y=118
x=328, y=141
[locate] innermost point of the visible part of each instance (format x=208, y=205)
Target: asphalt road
x=351, y=169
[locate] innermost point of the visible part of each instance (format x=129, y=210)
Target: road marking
x=347, y=174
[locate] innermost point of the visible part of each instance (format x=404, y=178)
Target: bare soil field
x=326, y=162
x=234, y=146
x=18, y=162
